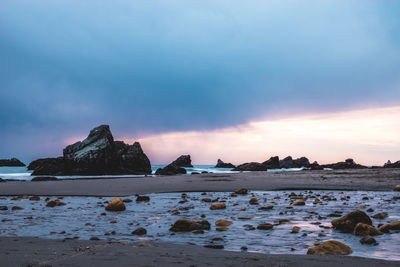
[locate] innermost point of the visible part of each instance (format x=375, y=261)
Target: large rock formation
x=183, y=161
x=289, y=162
x=170, y=169
x=96, y=155
x=221, y=164
x=347, y=164
x=272, y=163
x=11, y=163
x=392, y=165
x=251, y=166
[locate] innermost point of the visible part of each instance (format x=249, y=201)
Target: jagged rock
x=330, y=247
x=272, y=163
x=348, y=222
x=170, y=169
x=386, y=228
x=44, y=178
x=139, y=231
x=183, y=161
x=221, y=164
x=13, y=162
x=347, y=164
x=368, y=240
x=363, y=229
x=183, y=225
x=98, y=154
x=252, y=166
x=289, y=162
x=116, y=204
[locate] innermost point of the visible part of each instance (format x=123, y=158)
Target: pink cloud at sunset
x=370, y=136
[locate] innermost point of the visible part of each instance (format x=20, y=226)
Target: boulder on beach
x=13, y=162
x=170, y=169
x=397, y=188
x=116, y=204
x=363, y=229
x=55, y=203
x=368, y=240
x=242, y=191
x=183, y=161
x=392, y=226
x=218, y=206
x=265, y=226
x=348, y=222
x=299, y=202
x=221, y=164
x=223, y=222
x=98, y=154
x=139, y=231
x=183, y=225
x=330, y=247
x=347, y=164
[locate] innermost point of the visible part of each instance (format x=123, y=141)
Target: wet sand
x=26, y=251
x=366, y=179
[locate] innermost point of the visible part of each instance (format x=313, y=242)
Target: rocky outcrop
x=11, y=163
x=348, y=222
x=170, y=169
x=98, y=154
x=251, y=166
x=347, y=164
x=289, y=162
x=392, y=165
x=221, y=164
x=330, y=247
x=272, y=163
x=183, y=161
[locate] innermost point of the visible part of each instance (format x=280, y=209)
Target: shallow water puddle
x=85, y=217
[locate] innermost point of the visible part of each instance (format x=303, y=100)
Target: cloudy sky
x=198, y=70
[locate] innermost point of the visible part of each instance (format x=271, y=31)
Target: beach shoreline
x=360, y=179
x=31, y=251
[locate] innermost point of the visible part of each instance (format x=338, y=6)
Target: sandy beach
x=364, y=179
x=26, y=251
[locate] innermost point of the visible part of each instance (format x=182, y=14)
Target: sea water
x=82, y=217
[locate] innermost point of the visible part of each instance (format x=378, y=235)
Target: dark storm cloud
x=156, y=66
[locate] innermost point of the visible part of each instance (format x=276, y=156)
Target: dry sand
x=26, y=251
x=366, y=179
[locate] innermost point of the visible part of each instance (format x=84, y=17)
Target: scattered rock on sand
x=363, y=229
x=295, y=230
x=183, y=225
x=368, y=240
x=265, y=226
x=299, y=202
x=330, y=247
x=268, y=207
x=253, y=201
x=348, y=222
x=55, y=203
x=140, y=231
x=142, y=199
x=380, y=216
x=223, y=223
x=242, y=191
x=218, y=206
x=386, y=228
x=116, y=204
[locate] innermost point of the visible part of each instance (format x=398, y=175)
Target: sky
x=199, y=71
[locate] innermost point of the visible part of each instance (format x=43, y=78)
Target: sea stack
x=98, y=154
x=221, y=164
x=11, y=163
